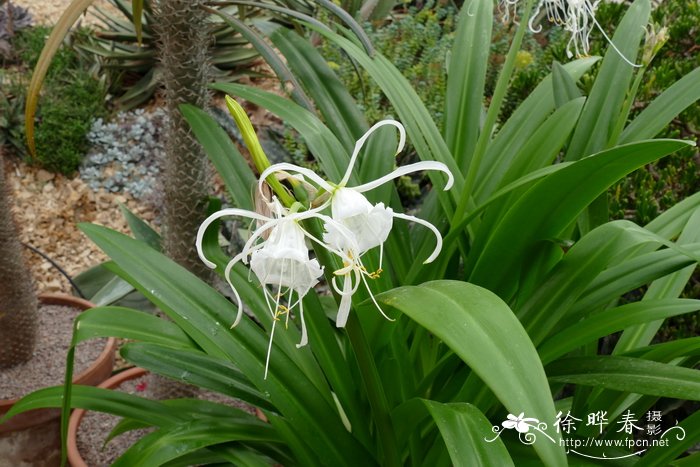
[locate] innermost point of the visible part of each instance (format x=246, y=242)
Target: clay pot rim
x=110, y=347
x=74, y=457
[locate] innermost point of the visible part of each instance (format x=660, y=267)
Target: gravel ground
x=47, y=366
x=48, y=208
x=48, y=11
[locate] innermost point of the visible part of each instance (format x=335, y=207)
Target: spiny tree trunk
x=184, y=42
x=18, y=304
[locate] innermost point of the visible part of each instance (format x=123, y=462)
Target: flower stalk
x=259, y=157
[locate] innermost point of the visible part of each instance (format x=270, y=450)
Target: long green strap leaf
x=197, y=368
x=670, y=286
x=476, y=325
x=633, y=375
x=613, y=320
x=169, y=443
x=519, y=128
x=664, y=108
x=322, y=143
x=549, y=207
x=609, y=91
x=201, y=311
x=466, y=78
x=465, y=431
x=114, y=321
x=423, y=133
x=333, y=101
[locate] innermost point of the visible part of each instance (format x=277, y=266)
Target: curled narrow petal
x=218, y=215
x=287, y=167
x=360, y=142
x=345, y=302
x=239, y=302
x=590, y=10
x=304, y=335
x=407, y=169
x=438, y=237
x=346, y=290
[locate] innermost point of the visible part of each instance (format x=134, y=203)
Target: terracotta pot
x=33, y=438
x=74, y=457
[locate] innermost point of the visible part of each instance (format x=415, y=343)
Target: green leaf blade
x=485, y=334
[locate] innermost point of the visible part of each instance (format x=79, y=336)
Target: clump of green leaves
x=73, y=97
x=11, y=112
x=651, y=190
x=665, y=183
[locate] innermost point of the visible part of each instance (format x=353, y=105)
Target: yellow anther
x=376, y=274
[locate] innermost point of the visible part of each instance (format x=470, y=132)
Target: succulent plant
x=12, y=19
x=133, y=69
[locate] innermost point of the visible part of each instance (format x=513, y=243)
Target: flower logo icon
x=521, y=424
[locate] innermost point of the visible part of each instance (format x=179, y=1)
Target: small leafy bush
x=73, y=97
x=416, y=40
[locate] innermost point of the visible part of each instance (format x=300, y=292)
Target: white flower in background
x=356, y=225
x=507, y=8
x=281, y=261
x=575, y=16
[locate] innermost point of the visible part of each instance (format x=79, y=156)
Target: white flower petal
x=286, y=167
x=438, y=236
x=407, y=169
x=217, y=215
x=360, y=142
x=304, y=336
x=239, y=302
x=345, y=302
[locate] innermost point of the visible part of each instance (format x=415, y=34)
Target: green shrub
x=417, y=42
x=71, y=99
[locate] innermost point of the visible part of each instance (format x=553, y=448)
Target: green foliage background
x=417, y=41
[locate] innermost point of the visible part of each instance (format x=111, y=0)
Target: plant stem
x=492, y=114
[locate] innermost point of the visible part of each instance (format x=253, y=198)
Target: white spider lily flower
x=281, y=261
x=369, y=224
x=356, y=226
x=575, y=16
x=508, y=8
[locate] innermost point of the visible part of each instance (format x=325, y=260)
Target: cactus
x=18, y=303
